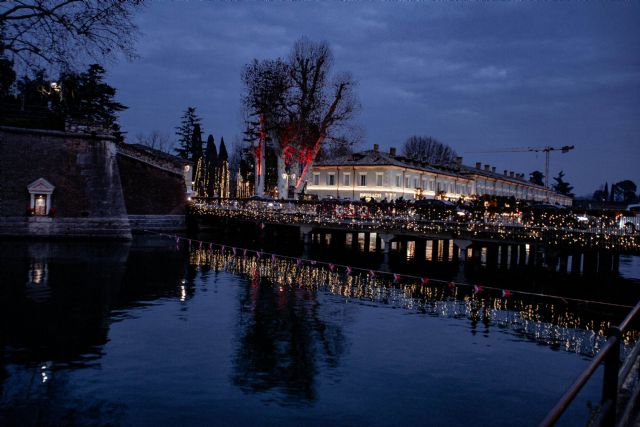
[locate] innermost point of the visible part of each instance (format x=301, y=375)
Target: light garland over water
x=555, y=229
x=545, y=322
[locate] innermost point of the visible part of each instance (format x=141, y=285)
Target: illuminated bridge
x=449, y=234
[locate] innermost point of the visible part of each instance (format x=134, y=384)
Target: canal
x=166, y=332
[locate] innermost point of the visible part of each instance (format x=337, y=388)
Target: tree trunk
x=282, y=177
x=300, y=177
x=260, y=175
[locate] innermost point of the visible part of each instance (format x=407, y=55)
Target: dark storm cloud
x=478, y=76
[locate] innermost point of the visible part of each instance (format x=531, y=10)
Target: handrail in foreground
x=610, y=355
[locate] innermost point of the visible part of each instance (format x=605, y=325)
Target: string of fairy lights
x=371, y=273
x=551, y=228
x=540, y=321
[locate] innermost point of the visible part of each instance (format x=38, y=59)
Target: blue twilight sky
x=479, y=76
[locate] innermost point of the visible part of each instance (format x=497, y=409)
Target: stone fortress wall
x=95, y=188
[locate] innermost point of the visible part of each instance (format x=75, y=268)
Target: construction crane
x=546, y=150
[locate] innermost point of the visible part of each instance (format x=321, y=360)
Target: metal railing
x=614, y=375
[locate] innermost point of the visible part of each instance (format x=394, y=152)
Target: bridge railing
x=616, y=373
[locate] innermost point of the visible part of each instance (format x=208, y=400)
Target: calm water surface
x=145, y=334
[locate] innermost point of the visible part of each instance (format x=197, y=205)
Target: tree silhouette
x=66, y=32
x=155, y=139
x=537, y=177
x=86, y=98
x=210, y=161
x=185, y=133
x=296, y=106
x=199, y=169
x=428, y=149
x=625, y=191
x=561, y=186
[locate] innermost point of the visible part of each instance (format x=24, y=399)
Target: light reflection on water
x=154, y=335
x=545, y=322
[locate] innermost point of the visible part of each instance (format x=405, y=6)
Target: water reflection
x=56, y=305
x=107, y=341
x=53, y=316
x=37, y=285
x=284, y=282
x=283, y=339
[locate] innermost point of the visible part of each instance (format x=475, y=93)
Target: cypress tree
x=198, y=161
x=211, y=158
x=223, y=170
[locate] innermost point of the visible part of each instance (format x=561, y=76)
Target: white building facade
x=376, y=175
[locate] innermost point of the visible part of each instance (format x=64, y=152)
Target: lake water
x=150, y=334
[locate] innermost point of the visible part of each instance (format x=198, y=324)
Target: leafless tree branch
x=66, y=33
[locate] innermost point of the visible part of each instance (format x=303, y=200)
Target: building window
x=406, y=182
x=331, y=178
x=415, y=182
x=379, y=179
x=363, y=180
x=432, y=186
x=316, y=179
x=347, y=179
x=398, y=181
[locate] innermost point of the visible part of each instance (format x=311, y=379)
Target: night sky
x=478, y=76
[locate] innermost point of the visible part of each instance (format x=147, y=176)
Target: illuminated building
x=377, y=175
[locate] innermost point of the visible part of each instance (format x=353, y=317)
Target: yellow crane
x=546, y=150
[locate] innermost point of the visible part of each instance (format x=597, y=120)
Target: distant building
x=378, y=175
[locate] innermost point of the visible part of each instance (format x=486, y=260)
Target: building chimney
x=478, y=165
x=376, y=147
x=487, y=167
x=506, y=172
x=392, y=151
x=493, y=169
x=511, y=174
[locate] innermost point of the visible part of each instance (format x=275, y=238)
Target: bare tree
x=428, y=149
x=156, y=140
x=298, y=106
x=66, y=32
x=266, y=102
